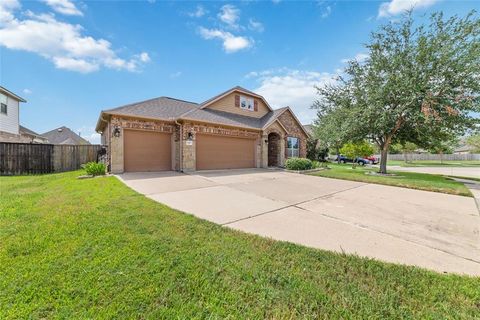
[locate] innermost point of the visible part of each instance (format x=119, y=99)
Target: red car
x=373, y=159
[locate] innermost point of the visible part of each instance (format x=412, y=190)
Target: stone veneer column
x=116, y=148
x=189, y=155
x=264, y=152
x=281, y=162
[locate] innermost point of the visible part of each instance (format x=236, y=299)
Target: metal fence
x=26, y=158
x=438, y=157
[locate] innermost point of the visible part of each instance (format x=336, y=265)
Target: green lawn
x=432, y=163
x=412, y=180
x=77, y=249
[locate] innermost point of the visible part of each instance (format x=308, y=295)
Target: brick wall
x=294, y=130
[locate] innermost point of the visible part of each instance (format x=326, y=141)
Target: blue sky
x=70, y=60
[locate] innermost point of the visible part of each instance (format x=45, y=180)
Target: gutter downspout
x=180, y=167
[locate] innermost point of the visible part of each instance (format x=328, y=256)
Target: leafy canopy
x=420, y=83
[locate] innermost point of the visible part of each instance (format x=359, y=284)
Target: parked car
x=372, y=159
x=360, y=161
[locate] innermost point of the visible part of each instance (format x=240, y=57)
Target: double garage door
x=152, y=151
x=218, y=152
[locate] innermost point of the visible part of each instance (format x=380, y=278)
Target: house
x=309, y=128
x=463, y=149
x=31, y=136
x=235, y=129
x=10, y=128
x=64, y=135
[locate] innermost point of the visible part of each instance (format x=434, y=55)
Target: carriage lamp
x=190, y=136
x=116, y=132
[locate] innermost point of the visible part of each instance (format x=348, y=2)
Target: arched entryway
x=273, y=149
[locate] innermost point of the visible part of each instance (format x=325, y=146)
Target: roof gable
x=238, y=89
x=64, y=135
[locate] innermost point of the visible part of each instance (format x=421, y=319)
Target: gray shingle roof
x=159, y=108
x=25, y=130
x=64, y=135
x=222, y=117
x=169, y=108
x=165, y=108
x=271, y=116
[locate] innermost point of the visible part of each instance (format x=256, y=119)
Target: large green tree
x=420, y=83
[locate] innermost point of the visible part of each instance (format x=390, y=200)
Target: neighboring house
x=64, y=135
x=235, y=129
x=464, y=149
x=32, y=136
x=309, y=129
x=10, y=128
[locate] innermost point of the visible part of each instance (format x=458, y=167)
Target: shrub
x=298, y=164
x=95, y=168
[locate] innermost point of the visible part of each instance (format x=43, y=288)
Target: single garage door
x=217, y=152
x=147, y=151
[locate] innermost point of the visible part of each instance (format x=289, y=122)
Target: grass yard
x=76, y=249
x=433, y=163
x=412, y=180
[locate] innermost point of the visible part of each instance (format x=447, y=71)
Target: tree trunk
x=383, y=159
x=405, y=156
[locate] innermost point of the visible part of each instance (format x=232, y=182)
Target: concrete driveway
x=431, y=230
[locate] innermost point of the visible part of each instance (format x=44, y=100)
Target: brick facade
x=294, y=130
x=115, y=148
x=184, y=139
x=183, y=150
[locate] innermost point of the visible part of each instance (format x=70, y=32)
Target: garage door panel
x=217, y=152
x=147, y=151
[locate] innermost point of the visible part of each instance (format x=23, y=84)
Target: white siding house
x=9, y=111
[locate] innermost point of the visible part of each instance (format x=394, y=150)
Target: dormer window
x=247, y=103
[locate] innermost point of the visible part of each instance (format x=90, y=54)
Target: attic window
x=247, y=103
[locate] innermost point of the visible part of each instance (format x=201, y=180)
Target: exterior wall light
x=116, y=132
x=190, y=136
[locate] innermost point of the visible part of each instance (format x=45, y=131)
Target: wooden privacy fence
x=26, y=158
x=429, y=156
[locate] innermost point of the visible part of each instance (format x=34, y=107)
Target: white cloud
x=27, y=91
x=144, y=57
x=395, y=7
x=229, y=14
x=87, y=132
x=360, y=57
x=231, y=43
x=62, y=43
x=65, y=7
x=198, y=13
x=255, y=25
x=293, y=88
x=175, y=74
x=6, y=10
x=326, y=12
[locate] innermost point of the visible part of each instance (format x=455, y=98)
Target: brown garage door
x=147, y=151
x=217, y=152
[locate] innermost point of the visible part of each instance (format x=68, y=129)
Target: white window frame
x=3, y=102
x=293, y=152
x=247, y=103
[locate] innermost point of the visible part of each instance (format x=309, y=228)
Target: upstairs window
x=247, y=103
x=3, y=103
x=293, y=147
